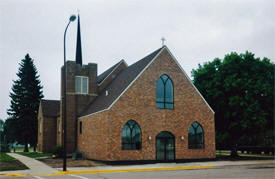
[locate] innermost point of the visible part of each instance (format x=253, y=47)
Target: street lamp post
x=72, y=18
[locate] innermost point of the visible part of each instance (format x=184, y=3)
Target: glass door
x=165, y=146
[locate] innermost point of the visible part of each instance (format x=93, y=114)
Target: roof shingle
x=50, y=108
x=103, y=75
x=119, y=84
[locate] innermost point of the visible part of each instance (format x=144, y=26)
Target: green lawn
x=35, y=154
x=9, y=163
x=6, y=158
x=21, y=149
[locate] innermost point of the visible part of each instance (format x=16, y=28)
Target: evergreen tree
x=9, y=131
x=240, y=89
x=1, y=131
x=25, y=97
x=1, y=125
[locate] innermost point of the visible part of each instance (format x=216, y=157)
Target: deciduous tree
x=240, y=89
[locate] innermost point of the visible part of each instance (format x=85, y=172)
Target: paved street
x=258, y=171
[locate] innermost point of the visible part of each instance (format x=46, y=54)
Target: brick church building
x=149, y=110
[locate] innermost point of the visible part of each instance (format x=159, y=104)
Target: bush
x=57, y=151
x=4, y=148
x=77, y=155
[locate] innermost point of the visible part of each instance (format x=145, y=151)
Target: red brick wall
x=58, y=132
x=39, y=135
x=75, y=103
x=49, y=133
x=95, y=137
x=46, y=136
x=139, y=103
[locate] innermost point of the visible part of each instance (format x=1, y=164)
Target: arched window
x=195, y=136
x=165, y=93
x=131, y=136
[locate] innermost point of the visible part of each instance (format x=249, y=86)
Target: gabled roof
x=124, y=80
x=50, y=108
x=104, y=75
x=119, y=84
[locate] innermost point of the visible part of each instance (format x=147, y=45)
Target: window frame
x=80, y=127
x=81, y=84
x=196, y=144
x=164, y=102
x=133, y=145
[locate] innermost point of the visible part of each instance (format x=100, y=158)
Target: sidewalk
x=38, y=168
x=35, y=167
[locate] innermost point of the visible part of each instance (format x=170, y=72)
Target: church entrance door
x=165, y=146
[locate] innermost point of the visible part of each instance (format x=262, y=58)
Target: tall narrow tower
x=81, y=90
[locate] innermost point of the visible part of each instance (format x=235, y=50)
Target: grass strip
x=35, y=154
x=8, y=163
x=4, y=157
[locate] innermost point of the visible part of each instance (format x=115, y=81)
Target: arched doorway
x=165, y=146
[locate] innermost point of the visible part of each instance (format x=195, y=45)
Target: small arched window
x=195, y=136
x=131, y=136
x=165, y=93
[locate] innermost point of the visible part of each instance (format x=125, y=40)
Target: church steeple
x=78, y=55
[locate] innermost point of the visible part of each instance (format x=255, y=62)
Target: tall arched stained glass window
x=165, y=93
x=131, y=136
x=195, y=136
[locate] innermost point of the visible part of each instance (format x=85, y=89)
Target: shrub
x=4, y=148
x=57, y=151
x=77, y=155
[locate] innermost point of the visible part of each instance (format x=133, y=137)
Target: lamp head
x=72, y=18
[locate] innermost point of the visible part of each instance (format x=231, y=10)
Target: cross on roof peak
x=162, y=41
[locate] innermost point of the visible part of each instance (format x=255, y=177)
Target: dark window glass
x=165, y=93
x=80, y=127
x=195, y=136
x=160, y=90
x=169, y=91
x=131, y=136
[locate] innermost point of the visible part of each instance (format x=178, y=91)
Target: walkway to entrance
x=35, y=167
x=165, y=146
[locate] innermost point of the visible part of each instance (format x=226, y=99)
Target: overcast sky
x=195, y=32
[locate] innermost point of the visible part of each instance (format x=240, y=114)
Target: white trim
x=141, y=74
x=113, y=71
x=38, y=177
x=78, y=176
x=94, y=113
x=189, y=80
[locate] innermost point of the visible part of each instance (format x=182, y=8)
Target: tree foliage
x=1, y=125
x=1, y=130
x=240, y=89
x=25, y=97
x=9, y=132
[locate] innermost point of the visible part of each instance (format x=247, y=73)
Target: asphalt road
x=263, y=171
